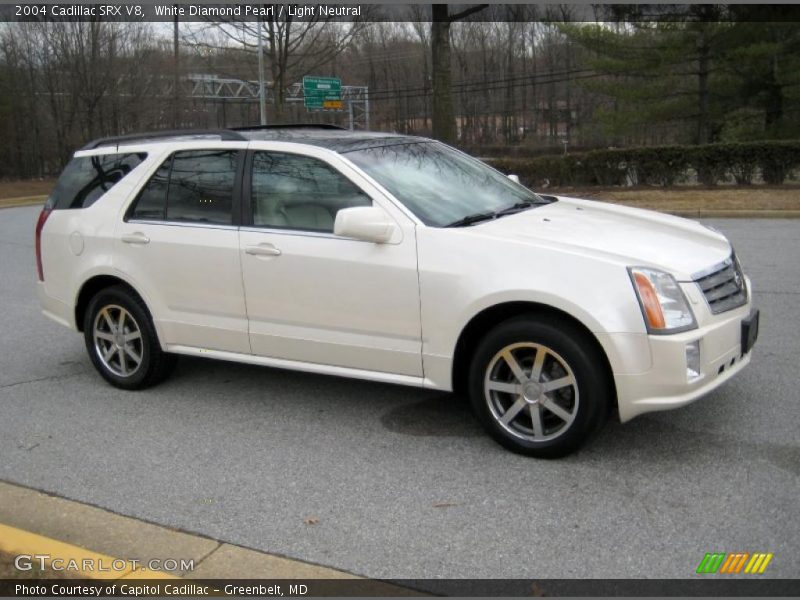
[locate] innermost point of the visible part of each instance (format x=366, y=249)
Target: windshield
x=440, y=185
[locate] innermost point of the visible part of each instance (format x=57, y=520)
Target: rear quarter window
x=87, y=178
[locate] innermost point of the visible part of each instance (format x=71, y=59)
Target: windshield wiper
x=473, y=218
x=491, y=215
x=518, y=207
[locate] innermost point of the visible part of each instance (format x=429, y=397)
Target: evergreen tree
x=712, y=73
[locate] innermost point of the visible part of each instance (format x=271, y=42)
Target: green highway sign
x=322, y=93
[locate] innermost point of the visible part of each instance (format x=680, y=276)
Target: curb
x=14, y=541
x=36, y=523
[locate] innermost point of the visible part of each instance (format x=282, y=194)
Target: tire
x=131, y=359
x=514, y=404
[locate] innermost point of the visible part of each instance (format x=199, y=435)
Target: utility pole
x=350, y=110
x=262, y=100
x=176, y=88
x=366, y=108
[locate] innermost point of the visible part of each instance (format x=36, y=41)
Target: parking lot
x=402, y=481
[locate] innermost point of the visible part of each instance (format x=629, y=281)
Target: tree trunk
x=176, y=81
x=773, y=115
x=444, y=123
x=508, y=108
x=703, y=52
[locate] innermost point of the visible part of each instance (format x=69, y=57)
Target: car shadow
x=261, y=383
x=652, y=439
x=403, y=409
x=437, y=415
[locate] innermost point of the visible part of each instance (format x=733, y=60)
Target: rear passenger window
x=201, y=186
x=192, y=186
x=87, y=178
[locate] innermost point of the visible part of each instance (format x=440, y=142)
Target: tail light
x=39, y=226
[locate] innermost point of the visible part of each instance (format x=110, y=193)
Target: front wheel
x=122, y=342
x=539, y=387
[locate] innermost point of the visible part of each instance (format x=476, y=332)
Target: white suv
x=390, y=258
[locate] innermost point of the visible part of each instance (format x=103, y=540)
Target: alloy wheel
x=531, y=391
x=118, y=340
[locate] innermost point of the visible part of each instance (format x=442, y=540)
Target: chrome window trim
x=299, y=232
x=251, y=229
x=182, y=224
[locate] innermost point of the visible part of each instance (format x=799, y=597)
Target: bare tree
x=444, y=122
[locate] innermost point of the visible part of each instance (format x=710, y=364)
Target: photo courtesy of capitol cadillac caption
x=159, y=589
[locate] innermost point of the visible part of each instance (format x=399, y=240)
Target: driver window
x=290, y=191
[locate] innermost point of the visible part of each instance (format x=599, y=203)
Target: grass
x=676, y=199
x=26, y=201
x=783, y=198
x=25, y=192
x=26, y=188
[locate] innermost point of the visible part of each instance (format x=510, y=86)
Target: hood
x=631, y=236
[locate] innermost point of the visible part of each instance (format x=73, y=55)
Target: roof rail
x=226, y=135
x=290, y=126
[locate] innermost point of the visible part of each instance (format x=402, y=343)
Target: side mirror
x=514, y=178
x=367, y=223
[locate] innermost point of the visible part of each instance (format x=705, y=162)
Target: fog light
x=693, y=360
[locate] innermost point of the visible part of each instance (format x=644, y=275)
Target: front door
x=312, y=296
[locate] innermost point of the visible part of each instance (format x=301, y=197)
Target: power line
x=478, y=84
x=512, y=84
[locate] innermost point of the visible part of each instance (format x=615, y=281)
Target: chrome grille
x=723, y=286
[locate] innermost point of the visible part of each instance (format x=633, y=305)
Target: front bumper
x=667, y=385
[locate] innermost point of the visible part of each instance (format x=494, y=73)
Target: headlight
x=664, y=306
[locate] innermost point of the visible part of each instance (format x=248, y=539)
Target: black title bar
x=336, y=12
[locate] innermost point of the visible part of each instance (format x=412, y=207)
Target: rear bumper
x=55, y=309
x=666, y=384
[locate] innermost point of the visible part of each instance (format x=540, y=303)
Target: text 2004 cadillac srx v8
x=390, y=258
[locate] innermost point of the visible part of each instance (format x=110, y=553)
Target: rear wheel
x=122, y=341
x=539, y=387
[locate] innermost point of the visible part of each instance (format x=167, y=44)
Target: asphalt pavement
x=402, y=481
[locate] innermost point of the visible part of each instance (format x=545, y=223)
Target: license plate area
x=749, y=332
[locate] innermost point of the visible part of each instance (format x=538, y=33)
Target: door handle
x=135, y=238
x=263, y=250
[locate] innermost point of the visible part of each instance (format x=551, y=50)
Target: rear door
x=313, y=296
x=178, y=243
